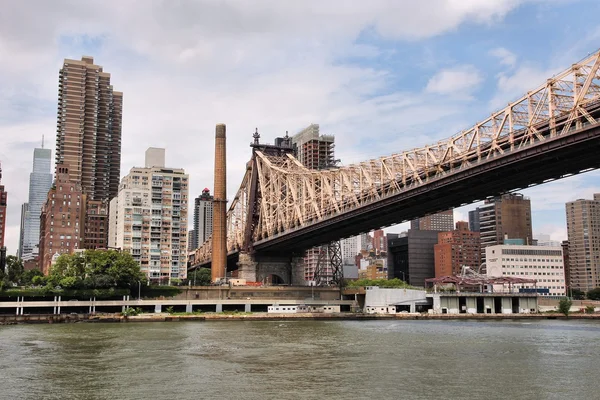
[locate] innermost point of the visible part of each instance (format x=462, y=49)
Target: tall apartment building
x=504, y=216
x=542, y=263
x=441, y=222
x=350, y=248
x=456, y=249
x=40, y=182
x=203, y=218
x=148, y=219
x=61, y=219
x=3, y=196
x=88, y=138
x=583, y=231
x=314, y=151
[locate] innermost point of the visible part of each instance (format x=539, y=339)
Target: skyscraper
x=474, y=220
x=3, y=196
x=583, y=230
x=441, y=222
x=148, y=219
x=203, y=218
x=40, y=182
x=88, y=138
x=503, y=216
x=315, y=151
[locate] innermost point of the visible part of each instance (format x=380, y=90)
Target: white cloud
x=458, y=80
x=505, y=56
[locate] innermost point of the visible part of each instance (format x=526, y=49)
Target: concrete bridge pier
x=271, y=269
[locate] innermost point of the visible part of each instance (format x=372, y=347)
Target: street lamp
x=139, y=290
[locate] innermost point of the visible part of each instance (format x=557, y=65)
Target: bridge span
x=283, y=208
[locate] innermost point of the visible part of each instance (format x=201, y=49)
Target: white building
x=544, y=264
x=350, y=248
x=149, y=219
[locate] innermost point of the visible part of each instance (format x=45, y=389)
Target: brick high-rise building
x=583, y=231
x=61, y=219
x=508, y=216
x=456, y=249
x=379, y=242
x=441, y=222
x=148, y=219
x=3, y=196
x=88, y=138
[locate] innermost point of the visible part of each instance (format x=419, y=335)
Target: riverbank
x=164, y=317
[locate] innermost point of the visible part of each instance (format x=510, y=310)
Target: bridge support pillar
x=188, y=308
x=298, y=271
x=219, y=308
x=248, y=307
x=158, y=308
x=247, y=267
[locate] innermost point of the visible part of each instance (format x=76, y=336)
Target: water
x=302, y=360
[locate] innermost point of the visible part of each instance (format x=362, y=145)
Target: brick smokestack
x=219, y=234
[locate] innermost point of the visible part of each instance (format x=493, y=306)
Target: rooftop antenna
x=256, y=136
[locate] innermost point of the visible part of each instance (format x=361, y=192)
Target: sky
x=383, y=76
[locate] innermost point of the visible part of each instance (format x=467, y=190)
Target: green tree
x=38, y=280
x=96, y=269
x=28, y=276
x=14, y=269
x=593, y=294
x=564, y=306
x=577, y=294
x=200, y=277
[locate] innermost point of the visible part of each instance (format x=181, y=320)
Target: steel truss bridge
x=551, y=132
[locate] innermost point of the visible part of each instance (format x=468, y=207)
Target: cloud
x=505, y=56
x=458, y=80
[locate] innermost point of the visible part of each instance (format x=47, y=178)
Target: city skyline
x=359, y=84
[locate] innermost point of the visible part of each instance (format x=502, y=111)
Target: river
x=546, y=359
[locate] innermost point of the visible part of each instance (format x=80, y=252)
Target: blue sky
x=382, y=76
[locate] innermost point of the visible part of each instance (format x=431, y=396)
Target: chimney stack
x=219, y=235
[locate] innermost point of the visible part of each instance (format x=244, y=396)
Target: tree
x=96, y=269
x=28, y=276
x=577, y=294
x=564, y=306
x=14, y=269
x=594, y=294
x=200, y=277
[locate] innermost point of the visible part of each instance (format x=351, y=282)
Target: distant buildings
x=40, y=182
x=203, y=218
x=583, y=230
x=350, y=248
x=441, y=222
x=148, y=219
x=506, y=216
x=61, y=219
x=3, y=196
x=455, y=249
x=544, y=264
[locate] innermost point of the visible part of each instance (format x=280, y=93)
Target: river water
x=547, y=359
